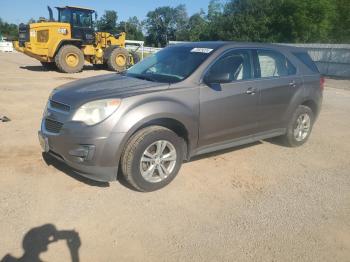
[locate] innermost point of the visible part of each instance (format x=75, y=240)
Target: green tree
x=132, y=28
x=303, y=21
x=181, y=23
x=166, y=23
x=214, y=9
x=10, y=31
x=108, y=22
x=160, y=25
x=197, y=26
x=340, y=32
x=246, y=20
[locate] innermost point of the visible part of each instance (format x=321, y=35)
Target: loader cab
x=81, y=21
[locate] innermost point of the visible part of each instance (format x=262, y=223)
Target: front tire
x=69, y=59
x=152, y=158
x=299, y=127
x=118, y=60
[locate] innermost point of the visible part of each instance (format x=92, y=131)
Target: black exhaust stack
x=50, y=14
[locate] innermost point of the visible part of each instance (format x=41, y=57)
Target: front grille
x=42, y=36
x=23, y=34
x=59, y=106
x=53, y=126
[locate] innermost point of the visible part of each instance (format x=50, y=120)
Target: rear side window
x=306, y=60
x=274, y=64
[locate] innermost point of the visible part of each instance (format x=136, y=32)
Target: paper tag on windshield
x=201, y=50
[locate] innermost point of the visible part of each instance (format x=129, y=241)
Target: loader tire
x=69, y=59
x=118, y=60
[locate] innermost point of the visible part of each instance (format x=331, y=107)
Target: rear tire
x=143, y=166
x=69, y=59
x=299, y=127
x=118, y=60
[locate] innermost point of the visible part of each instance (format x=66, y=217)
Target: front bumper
x=94, y=157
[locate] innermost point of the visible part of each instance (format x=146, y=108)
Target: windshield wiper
x=123, y=73
x=143, y=77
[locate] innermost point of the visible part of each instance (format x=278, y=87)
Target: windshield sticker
x=201, y=50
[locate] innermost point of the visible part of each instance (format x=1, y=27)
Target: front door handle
x=292, y=84
x=250, y=91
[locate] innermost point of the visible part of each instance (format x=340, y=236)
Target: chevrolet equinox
x=185, y=100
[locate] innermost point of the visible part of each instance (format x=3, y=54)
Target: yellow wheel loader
x=71, y=40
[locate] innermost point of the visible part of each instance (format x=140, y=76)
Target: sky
x=20, y=11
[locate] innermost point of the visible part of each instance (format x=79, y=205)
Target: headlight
x=96, y=111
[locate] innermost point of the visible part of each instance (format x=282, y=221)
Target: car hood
x=113, y=85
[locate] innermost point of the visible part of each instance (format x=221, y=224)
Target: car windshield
x=170, y=65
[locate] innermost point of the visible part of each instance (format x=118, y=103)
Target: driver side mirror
x=217, y=78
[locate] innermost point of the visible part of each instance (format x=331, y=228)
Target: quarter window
x=235, y=63
x=274, y=64
x=306, y=59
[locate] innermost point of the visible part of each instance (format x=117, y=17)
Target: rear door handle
x=251, y=91
x=292, y=84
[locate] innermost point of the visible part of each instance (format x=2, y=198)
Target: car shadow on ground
x=51, y=161
x=37, y=240
x=278, y=141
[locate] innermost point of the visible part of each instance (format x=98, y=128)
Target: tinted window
x=170, y=65
x=235, y=63
x=64, y=16
x=82, y=19
x=291, y=68
x=305, y=59
x=272, y=64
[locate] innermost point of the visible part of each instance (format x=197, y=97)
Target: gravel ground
x=260, y=202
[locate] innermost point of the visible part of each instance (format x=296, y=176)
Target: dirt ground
x=260, y=202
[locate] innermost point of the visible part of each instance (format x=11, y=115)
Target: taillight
x=322, y=82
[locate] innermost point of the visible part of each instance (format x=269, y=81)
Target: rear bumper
x=96, y=158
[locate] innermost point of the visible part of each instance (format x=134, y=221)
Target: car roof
x=232, y=44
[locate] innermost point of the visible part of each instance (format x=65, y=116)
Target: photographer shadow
x=37, y=240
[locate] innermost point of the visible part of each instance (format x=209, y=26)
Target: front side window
x=79, y=18
x=64, y=16
x=82, y=19
x=274, y=64
x=235, y=65
x=170, y=65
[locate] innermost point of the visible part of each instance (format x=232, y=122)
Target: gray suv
x=185, y=100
